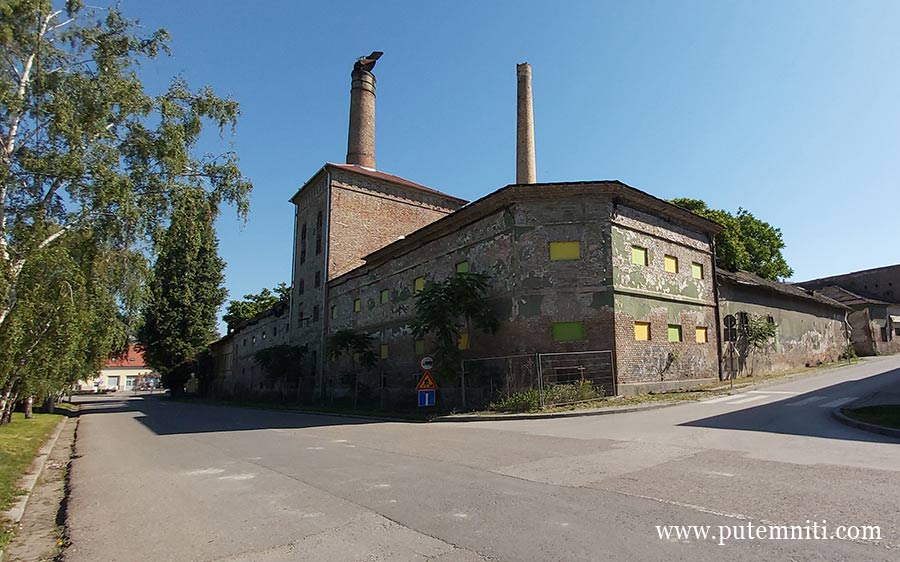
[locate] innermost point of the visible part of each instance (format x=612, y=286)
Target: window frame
x=695, y=267
x=560, y=331
x=642, y=325
x=667, y=259
x=640, y=250
x=679, y=331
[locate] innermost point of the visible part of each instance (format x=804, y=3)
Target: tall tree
x=185, y=291
x=747, y=242
x=254, y=303
x=87, y=153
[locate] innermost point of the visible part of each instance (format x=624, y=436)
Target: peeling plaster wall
x=648, y=293
x=808, y=333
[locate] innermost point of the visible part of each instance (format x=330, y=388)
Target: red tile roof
x=131, y=358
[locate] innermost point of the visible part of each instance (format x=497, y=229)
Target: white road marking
x=244, y=476
x=806, y=401
x=341, y=441
x=723, y=399
x=203, y=471
x=714, y=473
x=771, y=392
x=839, y=402
x=460, y=515
x=314, y=448
x=748, y=399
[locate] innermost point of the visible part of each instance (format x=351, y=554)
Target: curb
x=865, y=426
x=550, y=415
x=18, y=510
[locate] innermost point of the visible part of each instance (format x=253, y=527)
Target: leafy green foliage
x=281, y=362
x=527, y=401
x=747, y=242
x=91, y=168
x=758, y=331
x=185, y=291
x=569, y=393
x=252, y=304
x=355, y=344
x=443, y=308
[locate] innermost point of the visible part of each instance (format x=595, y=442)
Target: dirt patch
x=39, y=536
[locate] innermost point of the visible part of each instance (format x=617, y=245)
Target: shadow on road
x=808, y=419
x=163, y=416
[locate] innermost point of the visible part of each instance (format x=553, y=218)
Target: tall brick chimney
x=361, y=140
x=525, y=168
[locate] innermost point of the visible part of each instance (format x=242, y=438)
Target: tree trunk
x=29, y=408
x=7, y=401
x=49, y=406
x=6, y=414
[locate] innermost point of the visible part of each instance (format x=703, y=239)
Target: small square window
x=671, y=264
x=462, y=267
x=463, y=342
x=642, y=331
x=384, y=351
x=385, y=296
x=420, y=347
x=357, y=305
x=697, y=270
x=568, y=331
x=639, y=255
x=333, y=311
x=701, y=334
x=674, y=332
x=420, y=284
x=564, y=251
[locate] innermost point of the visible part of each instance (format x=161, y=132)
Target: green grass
x=19, y=443
x=886, y=415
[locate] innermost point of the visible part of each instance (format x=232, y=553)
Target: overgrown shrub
x=518, y=402
x=849, y=353
x=565, y=393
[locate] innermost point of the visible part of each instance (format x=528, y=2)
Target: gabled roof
x=133, y=357
x=844, y=296
x=383, y=176
x=750, y=279
x=519, y=192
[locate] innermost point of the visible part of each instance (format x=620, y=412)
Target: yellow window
x=702, y=336
x=357, y=305
x=671, y=264
x=463, y=342
x=384, y=351
x=462, y=267
x=568, y=331
x=642, y=331
x=385, y=296
x=420, y=284
x=561, y=251
x=674, y=332
x=333, y=312
x=420, y=347
x=697, y=270
x=639, y=255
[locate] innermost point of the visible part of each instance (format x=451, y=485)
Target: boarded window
x=642, y=331
x=639, y=255
x=568, y=331
x=420, y=284
x=385, y=296
x=697, y=270
x=420, y=347
x=674, y=332
x=462, y=267
x=701, y=334
x=384, y=351
x=463, y=342
x=671, y=264
x=562, y=251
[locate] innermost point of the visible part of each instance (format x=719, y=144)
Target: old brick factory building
x=589, y=278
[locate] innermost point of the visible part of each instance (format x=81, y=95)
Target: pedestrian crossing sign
x=427, y=382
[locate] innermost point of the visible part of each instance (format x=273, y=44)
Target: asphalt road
x=157, y=480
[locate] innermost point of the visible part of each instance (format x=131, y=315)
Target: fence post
x=462, y=381
x=540, y=372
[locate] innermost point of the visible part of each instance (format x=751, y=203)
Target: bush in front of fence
x=518, y=402
x=576, y=392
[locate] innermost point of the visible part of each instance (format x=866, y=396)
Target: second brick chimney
x=361, y=139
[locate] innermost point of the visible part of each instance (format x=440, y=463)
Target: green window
x=357, y=305
x=674, y=332
x=462, y=267
x=333, y=311
x=697, y=270
x=563, y=251
x=384, y=351
x=385, y=296
x=420, y=284
x=639, y=255
x=420, y=347
x=568, y=331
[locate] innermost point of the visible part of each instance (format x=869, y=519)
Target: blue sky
x=788, y=109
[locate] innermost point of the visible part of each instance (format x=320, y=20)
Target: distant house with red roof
x=121, y=372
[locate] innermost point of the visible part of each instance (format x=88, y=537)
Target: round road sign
x=427, y=363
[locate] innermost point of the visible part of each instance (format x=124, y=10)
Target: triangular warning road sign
x=427, y=382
